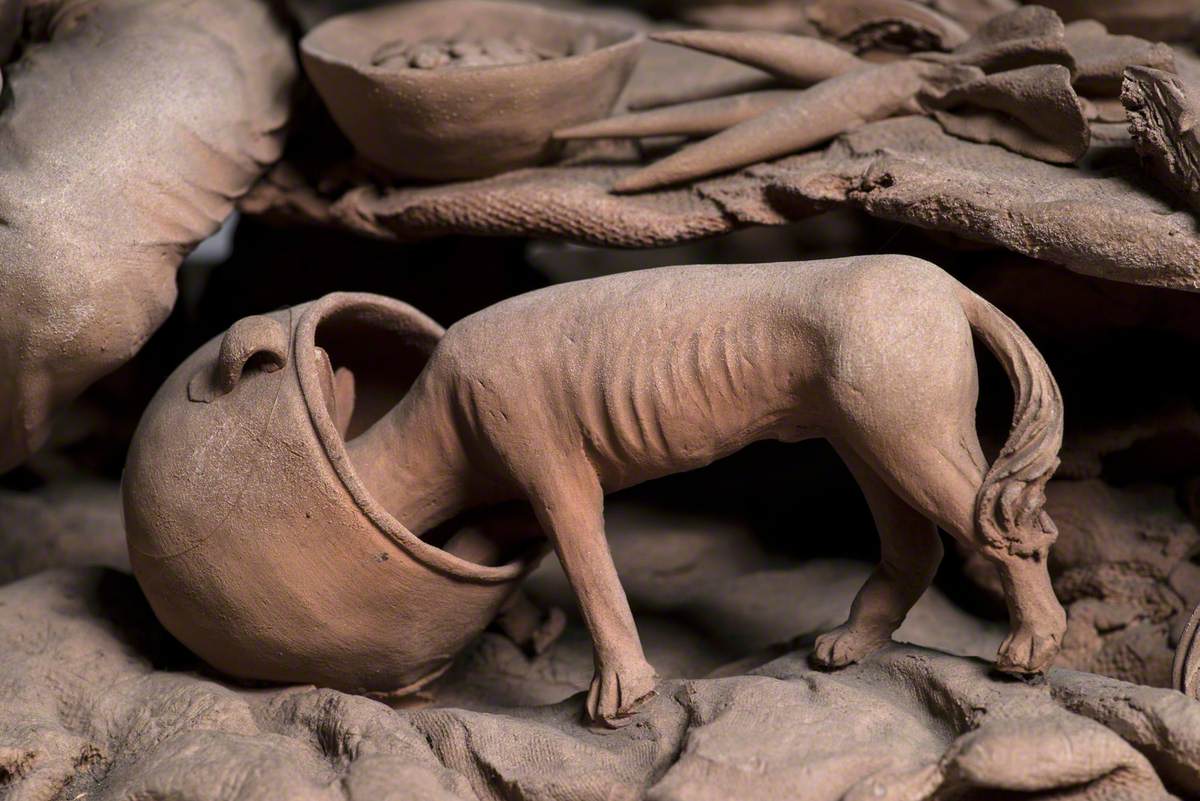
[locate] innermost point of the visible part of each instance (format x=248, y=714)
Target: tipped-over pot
x=254, y=540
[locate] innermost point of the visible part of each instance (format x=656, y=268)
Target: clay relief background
x=466, y=399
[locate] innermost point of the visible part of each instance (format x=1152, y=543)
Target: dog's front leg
x=571, y=510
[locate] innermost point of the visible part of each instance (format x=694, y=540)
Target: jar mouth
x=416, y=330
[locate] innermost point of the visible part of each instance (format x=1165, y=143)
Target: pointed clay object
x=782, y=16
x=814, y=116
x=799, y=60
x=127, y=131
x=1029, y=109
x=455, y=124
x=695, y=75
x=735, y=83
x=898, y=24
x=1033, y=111
x=701, y=118
x=250, y=530
x=277, y=548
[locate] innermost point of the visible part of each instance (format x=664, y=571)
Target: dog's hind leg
x=910, y=551
x=939, y=474
x=903, y=386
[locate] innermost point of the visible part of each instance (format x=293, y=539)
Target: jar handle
x=248, y=338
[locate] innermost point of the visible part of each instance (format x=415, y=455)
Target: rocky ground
x=100, y=703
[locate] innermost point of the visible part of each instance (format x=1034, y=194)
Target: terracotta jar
x=254, y=540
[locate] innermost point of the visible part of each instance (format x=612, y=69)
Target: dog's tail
x=1009, y=510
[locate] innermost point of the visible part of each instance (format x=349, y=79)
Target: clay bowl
x=469, y=121
x=250, y=532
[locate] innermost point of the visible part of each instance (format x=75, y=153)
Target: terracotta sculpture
x=1162, y=109
x=112, y=169
x=466, y=102
x=252, y=534
x=259, y=542
x=336, y=508
x=1016, y=82
x=1185, y=669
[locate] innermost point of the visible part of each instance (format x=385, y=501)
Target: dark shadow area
x=118, y=599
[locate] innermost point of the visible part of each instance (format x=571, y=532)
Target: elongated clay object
x=261, y=541
x=799, y=60
x=699, y=118
x=813, y=116
x=128, y=129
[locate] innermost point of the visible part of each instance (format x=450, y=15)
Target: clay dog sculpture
x=567, y=393
x=290, y=489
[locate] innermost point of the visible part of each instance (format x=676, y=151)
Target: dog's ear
x=337, y=389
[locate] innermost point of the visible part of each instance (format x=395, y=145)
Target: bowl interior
x=385, y=355
x=384, y=361
x=354, y=39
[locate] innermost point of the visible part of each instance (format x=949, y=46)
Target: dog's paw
x=1031, y=648
x=617, y=692
x=846, y=645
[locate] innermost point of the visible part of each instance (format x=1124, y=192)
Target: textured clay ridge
x=90, y=714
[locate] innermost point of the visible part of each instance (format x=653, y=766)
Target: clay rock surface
x=70, y=525
x=94, y=709
x=127, y=130
x=1115, y=223
x=1122, y=569
x=99, y=702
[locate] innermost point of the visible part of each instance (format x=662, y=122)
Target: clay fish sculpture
x=556, y=398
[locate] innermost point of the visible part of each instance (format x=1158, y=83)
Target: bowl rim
x=304, y=361
x=629, y=37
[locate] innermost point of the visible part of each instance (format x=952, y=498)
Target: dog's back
x=664, y=370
